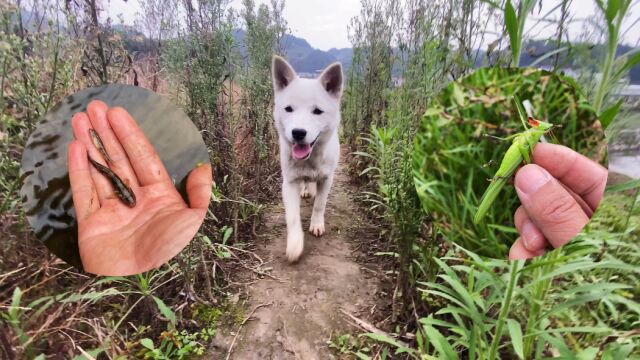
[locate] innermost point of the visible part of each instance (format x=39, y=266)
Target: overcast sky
x=323, y=23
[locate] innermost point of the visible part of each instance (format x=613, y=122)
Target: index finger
x=83, y=191
x=143, y=157
x=583, y=176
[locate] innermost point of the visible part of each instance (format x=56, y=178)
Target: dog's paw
x=308, y=190
x=295, y=245
x=316, y=227
x=305, y=193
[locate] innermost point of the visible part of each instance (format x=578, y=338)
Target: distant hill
x=303, y=57
x=306, y=59
x=535, y=49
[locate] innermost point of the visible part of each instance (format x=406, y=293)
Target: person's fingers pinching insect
x=549, y=206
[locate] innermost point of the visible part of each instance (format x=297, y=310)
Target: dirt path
x=296, y=316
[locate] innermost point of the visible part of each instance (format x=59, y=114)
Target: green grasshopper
x=519, y=151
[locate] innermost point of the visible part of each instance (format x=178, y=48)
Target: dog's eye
x=317, y=111
x=288, y=109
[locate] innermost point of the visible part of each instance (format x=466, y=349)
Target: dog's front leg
x=316, y=226
x=295, y=235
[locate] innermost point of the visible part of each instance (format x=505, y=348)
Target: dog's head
x=306, y=110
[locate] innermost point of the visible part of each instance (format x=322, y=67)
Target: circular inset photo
x=116, y=180
x=510, y=162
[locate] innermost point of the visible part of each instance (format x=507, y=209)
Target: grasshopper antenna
x=521, y=111
x=495, y=137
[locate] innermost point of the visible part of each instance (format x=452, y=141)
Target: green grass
x=450, y=149
x=577, y=302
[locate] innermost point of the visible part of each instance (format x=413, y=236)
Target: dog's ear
x=331, y=79
x=282, y=73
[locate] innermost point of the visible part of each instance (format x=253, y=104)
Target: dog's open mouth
x=303, y=151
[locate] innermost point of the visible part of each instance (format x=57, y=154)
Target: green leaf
x=206, y=240
x=43, y=308
x=17, y=296
x=574, y=329
x=165, y=310
x=458, y=95
x=614, y=351
x=576, y=302
x=559, y=345
x=587, y=354
x=632, y=60
x=515, y=332
x=440, y=343
x=505, y=229
x=362, y=356
x=613, y=6
x=588, y=265
x=511, y=22
x=607, y=116
x=148, y=343
x=623, y=186
x=13, y=311
x=595, y=287
x=387, y=340
x=432, y=111
x=227, y=234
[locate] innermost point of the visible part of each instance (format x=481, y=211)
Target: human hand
x=113, y=238
x=559, y=192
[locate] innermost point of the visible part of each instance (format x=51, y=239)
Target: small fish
x=123, y=191
x=97, y=142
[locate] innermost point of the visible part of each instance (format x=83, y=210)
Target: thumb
x=199, y=187
x=549, y=206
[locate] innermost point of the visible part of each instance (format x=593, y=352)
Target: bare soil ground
x=295, y=309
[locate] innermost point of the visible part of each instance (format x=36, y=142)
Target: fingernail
x=529, y=235
x=201, y=164
x=531, y=178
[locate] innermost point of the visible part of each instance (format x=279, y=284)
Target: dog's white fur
x=313, y=176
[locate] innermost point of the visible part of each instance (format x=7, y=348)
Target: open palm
x=115, y=239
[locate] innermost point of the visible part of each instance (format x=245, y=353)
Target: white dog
x=307, y=115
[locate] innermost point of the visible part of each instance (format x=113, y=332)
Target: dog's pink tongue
x=301, y=151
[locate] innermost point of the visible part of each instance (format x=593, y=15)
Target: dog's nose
x=298, y=134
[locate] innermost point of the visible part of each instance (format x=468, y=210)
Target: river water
x=624, y=151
